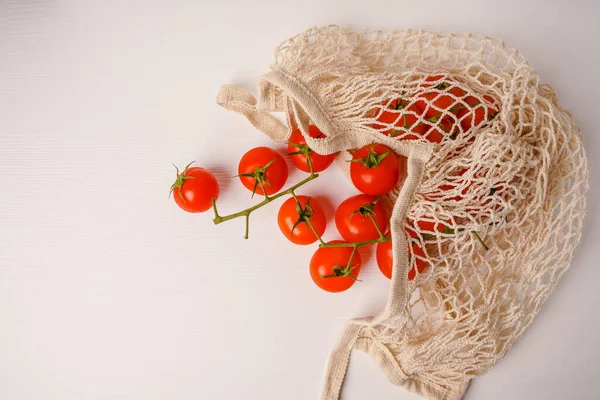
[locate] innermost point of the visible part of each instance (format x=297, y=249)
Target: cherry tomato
x=474, y=115
x=437, y=103
x=405, y=120
x=420, y=263
x=319, y=162
x=353, y=218
x=293, y=223
x=410, y=128
x=332, y=270
x=433, y=80
x=375, y=169
x=428, y=228
x=263, y=165
x=385, y=258
x=194, y=189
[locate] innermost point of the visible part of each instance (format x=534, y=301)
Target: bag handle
x=239, y=100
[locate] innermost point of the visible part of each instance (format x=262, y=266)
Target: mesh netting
x=506, y=170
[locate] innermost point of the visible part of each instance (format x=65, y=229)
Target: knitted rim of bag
x=515, y=175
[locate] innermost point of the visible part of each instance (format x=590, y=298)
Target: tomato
x=353, y=218
x=437, y=103
x=292, y=219
x=194, y=189
x=331, y=268
x=428, y=228
x=390, y=117
x=375, y=169
x=299, y=154
x=474, y=115
x=410, y=127
x=406, y=120
x=263, y=166
x=385, y=258
x=420, y=264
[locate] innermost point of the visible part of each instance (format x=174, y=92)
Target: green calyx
x=442, y=86
x=341, y=272
x=366, y=210
x=400, y=104
x=304, y=214
x=180, y=180
x=303, y=149
x=372, y=160
x=260, y=178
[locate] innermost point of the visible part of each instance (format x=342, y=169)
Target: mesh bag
x=492, y=162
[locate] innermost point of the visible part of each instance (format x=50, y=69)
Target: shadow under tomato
x=328, y=209
x=224, y=176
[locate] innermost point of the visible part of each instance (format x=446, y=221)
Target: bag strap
x=239, y=100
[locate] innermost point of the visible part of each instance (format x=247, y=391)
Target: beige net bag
x=508, y=174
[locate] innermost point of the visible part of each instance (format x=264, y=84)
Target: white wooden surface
x=109, y=291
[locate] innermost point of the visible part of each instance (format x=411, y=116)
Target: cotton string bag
x=514, y=176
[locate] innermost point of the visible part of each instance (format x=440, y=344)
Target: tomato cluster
x=438, y=111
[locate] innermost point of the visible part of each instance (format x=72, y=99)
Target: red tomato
x=436, y=103
x=428, y=228
x=406, y=120
x=385, y=258
x=475, y=115
x=390, y=117
x=375, y=169
x=293, y=223
x=353, y=218
x=319, y=162
x=410, y=127
x=194, y=189
x=420, y=263
x=332, y=270
x=262, y=164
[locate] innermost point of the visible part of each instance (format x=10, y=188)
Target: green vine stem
x=246, y=213
x=218, y=219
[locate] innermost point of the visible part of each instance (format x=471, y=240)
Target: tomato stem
x=357, y=244
x=372, y=160
x=376, y=226
x=218, y=219
x=312, y=228
x=180, y=179
x=480, y=240
x=247, y=225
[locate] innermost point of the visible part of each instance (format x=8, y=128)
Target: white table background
x=109, y=291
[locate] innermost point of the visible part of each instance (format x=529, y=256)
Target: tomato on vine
x=438, y=103
x=194, y=189
x=335, y=269
x=263, y=169
x=299, y=151
x=420, y=263
x=374, y=169
x=296, y=216
x=428, y=228
x=360, y=218
x=476, y=112
x=384, y=257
